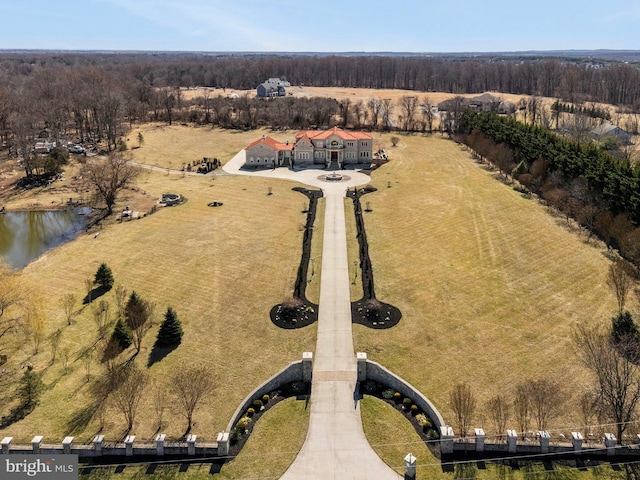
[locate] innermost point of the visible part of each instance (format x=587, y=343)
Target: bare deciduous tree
x=463, y=404
x=408, y=105
x=498, y=407
x=68, y=303
x=522, y=407
x=109, y=176
x=129, y=391
x=54, y=342
x=546, y=400
x=34, y=326
x=617, y=379
x=121, y=299
x=11, y=297
x=190, y=384
x=620, y=280
x=101, y=316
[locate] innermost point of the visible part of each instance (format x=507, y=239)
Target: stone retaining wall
x=368, y=370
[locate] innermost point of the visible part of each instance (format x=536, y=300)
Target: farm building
x=610, y=130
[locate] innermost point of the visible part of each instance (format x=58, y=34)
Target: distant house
x=273, y=87
x=277, y=81
x=610, y=130
x=322, y=148
x=485, y=103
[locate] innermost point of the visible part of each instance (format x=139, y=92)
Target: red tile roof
x=272, y=143
x=324, y=134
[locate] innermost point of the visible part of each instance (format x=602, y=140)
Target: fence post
x=576, y=440
x=446, y=439
x=160, y=444
x=307, y=366
x=6, y=445
x=223, y=444
x=409, y=467
x=610, y=442
x=36, y=443
x=362, y=366
x=128, y=444
x=512, y=441
x=67, y=445
x=191, y=444
x=479, y=432
x=544, y=441
x=98, y=440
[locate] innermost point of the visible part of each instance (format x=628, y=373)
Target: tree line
x=582, y=180
x=573, y=80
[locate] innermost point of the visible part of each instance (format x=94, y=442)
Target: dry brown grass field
x=490, y=283
x=221, y=269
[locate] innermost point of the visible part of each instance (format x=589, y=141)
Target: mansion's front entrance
x=334, y=164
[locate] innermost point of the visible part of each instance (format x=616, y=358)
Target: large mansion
x=325, y=148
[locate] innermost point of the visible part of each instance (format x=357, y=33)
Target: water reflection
x=24, y=236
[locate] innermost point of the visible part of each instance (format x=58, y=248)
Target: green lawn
x=488, y=282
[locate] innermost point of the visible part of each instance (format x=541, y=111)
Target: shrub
x=370, y=386
x=406, y=401
x=414, y=409
x=257, y=403
x=422, y=420
x=235, y=434
x=265, y=398
x=432, y=434
x=251, y=412
x=397, y=397
x=170, y=332
x=243, y=423
x=388, y=394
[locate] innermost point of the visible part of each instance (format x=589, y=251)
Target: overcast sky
x=320, y=26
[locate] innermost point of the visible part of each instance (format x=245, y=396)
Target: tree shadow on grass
x=157, y=353
x=94, y=294
x=81, y=419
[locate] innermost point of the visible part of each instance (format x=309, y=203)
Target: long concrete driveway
x=335, y=447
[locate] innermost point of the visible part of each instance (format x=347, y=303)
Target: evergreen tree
x=31, y=386
x=121, y=335
x=170, y=332
x=104, y=277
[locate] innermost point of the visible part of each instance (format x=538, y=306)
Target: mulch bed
x=298, y=312
x=299, y=390
x=429, y=436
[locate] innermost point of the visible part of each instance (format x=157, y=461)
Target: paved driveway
x=335, y=447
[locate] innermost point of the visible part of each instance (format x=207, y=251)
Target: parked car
x=76, y=149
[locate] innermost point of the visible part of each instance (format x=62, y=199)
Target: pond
x=24, y=236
